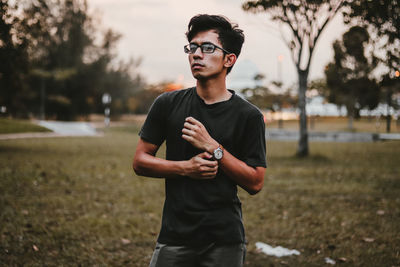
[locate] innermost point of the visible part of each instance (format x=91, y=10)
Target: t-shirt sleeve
x=154, y=127
x=253, y=146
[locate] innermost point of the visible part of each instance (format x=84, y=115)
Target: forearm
x=151, y=166
x=249, y=178
x=146, y=163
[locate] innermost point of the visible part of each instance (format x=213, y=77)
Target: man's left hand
x=195, y=133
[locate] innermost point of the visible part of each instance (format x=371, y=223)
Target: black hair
x=230, y=36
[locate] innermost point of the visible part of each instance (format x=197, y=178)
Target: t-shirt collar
x=217, y=103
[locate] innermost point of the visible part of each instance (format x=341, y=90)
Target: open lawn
x=19, y=126
x=76, y=201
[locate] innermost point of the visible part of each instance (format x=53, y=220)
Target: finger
x=210, y=175
x=209, y=172
x=205, y=155
x=187, y=138
x=207, y=169
x=209, y=162
x=207, y=176
x=210, y=165
x=193, y=121
x=192, y=127
x=189, y=125
x=187, y=132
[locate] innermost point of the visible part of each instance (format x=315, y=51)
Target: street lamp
x=106, y=99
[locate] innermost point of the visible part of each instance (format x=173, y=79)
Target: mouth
x=197, y=66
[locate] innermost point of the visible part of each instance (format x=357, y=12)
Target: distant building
x=318, y=106
x=380, y=110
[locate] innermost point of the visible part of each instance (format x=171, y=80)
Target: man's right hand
x=201, y=166
x=145, y=163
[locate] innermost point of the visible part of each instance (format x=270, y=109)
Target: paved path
x=69, y=128
x=286, y=135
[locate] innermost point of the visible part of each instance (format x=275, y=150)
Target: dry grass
x=19, y=126
x=75, y=201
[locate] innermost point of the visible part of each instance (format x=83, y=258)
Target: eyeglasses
x=206, y=48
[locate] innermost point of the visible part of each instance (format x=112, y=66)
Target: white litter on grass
x=69, y=128
x=330, y=261
x=276, y=251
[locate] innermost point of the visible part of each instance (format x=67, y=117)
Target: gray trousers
x=205, y=256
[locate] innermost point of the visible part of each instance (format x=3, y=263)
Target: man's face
x=203, y=65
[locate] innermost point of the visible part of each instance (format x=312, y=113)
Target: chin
x=198, y=76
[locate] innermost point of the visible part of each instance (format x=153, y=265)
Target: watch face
x=218, y=153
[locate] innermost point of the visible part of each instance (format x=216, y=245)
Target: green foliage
x=69, y=63
x=349, y=77
x=264, y=98
x=14, y=64
x=306, y=20
x=76, y=201
x=381, y=17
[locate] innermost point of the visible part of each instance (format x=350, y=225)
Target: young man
x=215, y=141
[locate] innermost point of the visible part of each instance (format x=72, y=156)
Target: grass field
x=76, y=202
x=19, y=126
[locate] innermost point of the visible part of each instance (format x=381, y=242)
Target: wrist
x=218, y=153
x=182, y=167
x=212, y=147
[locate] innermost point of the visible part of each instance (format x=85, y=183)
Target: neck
x=212, y=90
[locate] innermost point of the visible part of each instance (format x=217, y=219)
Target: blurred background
x=58, y=58
x=83, y=74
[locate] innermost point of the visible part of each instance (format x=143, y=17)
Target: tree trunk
x=350, y=122
x=350, y=115
x=388, y=122
x=302, y=150
x=42, y=115
x=389, y=104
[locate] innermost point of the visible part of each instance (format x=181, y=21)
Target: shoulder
x=247, y=108
x=172, y=96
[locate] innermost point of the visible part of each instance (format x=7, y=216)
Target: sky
x=154, y=31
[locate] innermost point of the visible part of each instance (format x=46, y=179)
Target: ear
x=230, y=60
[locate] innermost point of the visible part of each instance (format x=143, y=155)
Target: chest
x=222, y=124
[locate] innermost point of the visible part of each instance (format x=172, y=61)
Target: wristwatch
x=218, y=153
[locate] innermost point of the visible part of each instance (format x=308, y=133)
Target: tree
x=349, y=78
x=264, y=98
x=390, y=86
x=68, y=63
x=306, y=20
x=61, y=36
x=382, y=18
x=14, y=94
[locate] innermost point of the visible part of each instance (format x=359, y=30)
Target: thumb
x=206, y=155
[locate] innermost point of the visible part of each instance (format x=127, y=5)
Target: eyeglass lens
x=205, y=48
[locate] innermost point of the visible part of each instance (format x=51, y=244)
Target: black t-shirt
x=198, y=212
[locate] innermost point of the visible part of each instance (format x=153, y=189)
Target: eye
x=186, y=48
x=207, y=48
x=193, y=47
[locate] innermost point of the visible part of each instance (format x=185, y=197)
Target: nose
x=198, y=53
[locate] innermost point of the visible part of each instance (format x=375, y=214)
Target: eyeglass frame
x=209, y=43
